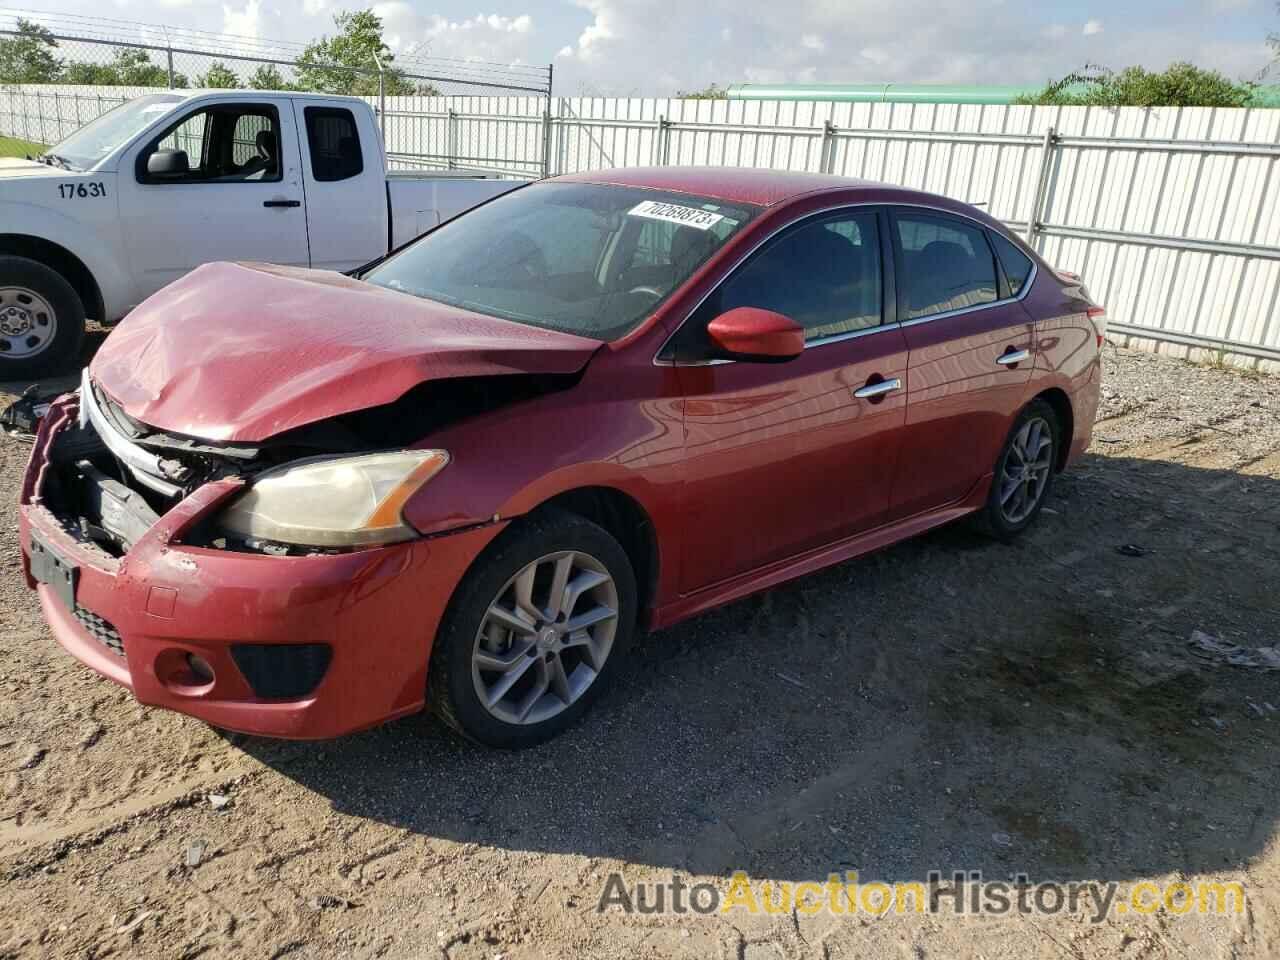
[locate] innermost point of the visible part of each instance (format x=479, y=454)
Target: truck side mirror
x=168, y=163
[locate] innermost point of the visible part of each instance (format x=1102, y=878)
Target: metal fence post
x=662, y=147
x=827, y=154
x=169, y=53
x=547, y=124
x=1047, y=150
x=382, y=99
x=451, y=139
x=546, y=140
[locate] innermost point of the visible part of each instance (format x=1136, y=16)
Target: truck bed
x=421, y=199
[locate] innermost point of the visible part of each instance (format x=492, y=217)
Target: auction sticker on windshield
x=675, y=213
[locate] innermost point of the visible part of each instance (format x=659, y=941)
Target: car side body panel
x=959, y=401
x=766, y=444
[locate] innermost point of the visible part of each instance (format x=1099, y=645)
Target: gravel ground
x=949, y=703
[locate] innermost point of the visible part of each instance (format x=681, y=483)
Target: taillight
x=1099, y=317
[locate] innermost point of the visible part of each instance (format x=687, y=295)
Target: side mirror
x=762, y=336
x=168, y=163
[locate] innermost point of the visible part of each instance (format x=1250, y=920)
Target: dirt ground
x=949, y=704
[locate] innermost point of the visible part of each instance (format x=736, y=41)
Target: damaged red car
x=296, y=503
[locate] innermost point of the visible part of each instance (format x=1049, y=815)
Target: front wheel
x=1024, y=472
x=534, y=632
x=41, y=320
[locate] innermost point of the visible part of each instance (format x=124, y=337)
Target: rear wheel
x=1024, y=472
x=41, y=320
x=534, y=632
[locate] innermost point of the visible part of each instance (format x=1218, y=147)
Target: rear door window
x=334, y=144
x=947, y=264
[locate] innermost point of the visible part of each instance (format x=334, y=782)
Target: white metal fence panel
x=1172, y=216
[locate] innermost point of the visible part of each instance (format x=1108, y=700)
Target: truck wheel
x=41, y=320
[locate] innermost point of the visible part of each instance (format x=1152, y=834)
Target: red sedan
x=295, y=503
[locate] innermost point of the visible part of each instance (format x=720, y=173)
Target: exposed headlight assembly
x=340, y=502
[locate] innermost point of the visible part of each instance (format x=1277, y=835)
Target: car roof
x=732, y=184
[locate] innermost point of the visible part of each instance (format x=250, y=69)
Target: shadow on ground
x=950, y=703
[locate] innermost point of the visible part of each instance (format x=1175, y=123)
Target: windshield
x=584, y=258
x=96, y=139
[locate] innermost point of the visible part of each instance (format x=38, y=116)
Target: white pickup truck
x=164, y=183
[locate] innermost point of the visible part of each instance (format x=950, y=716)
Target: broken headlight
x=334, y=502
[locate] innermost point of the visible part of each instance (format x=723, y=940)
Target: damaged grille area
x=112, y=478
x=100, y=629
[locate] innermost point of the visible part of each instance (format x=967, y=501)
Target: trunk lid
x=241, y=352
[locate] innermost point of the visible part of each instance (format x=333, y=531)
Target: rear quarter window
x=1016, y=264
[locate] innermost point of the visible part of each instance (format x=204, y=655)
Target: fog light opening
x=185, y=673
x=200, y=669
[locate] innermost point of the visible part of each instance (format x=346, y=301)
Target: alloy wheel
x=545, y=638
x=1025, y=472
x=28, y=323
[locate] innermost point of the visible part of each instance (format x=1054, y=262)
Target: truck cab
x=162, y=184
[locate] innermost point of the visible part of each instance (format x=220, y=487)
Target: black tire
x=994, y=518
x=451, y=686
x=62, y=350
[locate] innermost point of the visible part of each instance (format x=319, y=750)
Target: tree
x=28, y=57
x=347, y=63
x=268, y=77
x=712, y=92
x=1273, y=41
x=128, y=68
x=218, y=77
x=1181, y=85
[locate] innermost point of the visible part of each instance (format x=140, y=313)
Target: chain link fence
x=58, y=72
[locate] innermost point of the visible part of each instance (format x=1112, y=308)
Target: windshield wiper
x=52, y=159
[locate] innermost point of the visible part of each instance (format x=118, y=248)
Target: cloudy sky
x=640, y=47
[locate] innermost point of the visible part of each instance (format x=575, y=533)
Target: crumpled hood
x=241, y=352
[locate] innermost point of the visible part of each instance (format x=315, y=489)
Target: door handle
x=1009, y=358
x=282, y=203
x=878, y=389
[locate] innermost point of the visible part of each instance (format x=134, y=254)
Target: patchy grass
x=12, y=147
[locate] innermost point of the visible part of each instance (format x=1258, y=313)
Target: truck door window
x=228, y=143
x=334, y=144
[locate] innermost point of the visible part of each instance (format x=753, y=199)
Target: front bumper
x=376, y=611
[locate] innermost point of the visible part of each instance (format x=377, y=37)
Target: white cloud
x=242, y=23
x=654, y=47
x=599, y=32
x=1092, y=28
x=485, y=36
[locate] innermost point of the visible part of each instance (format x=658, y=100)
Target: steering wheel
x=651, y=291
